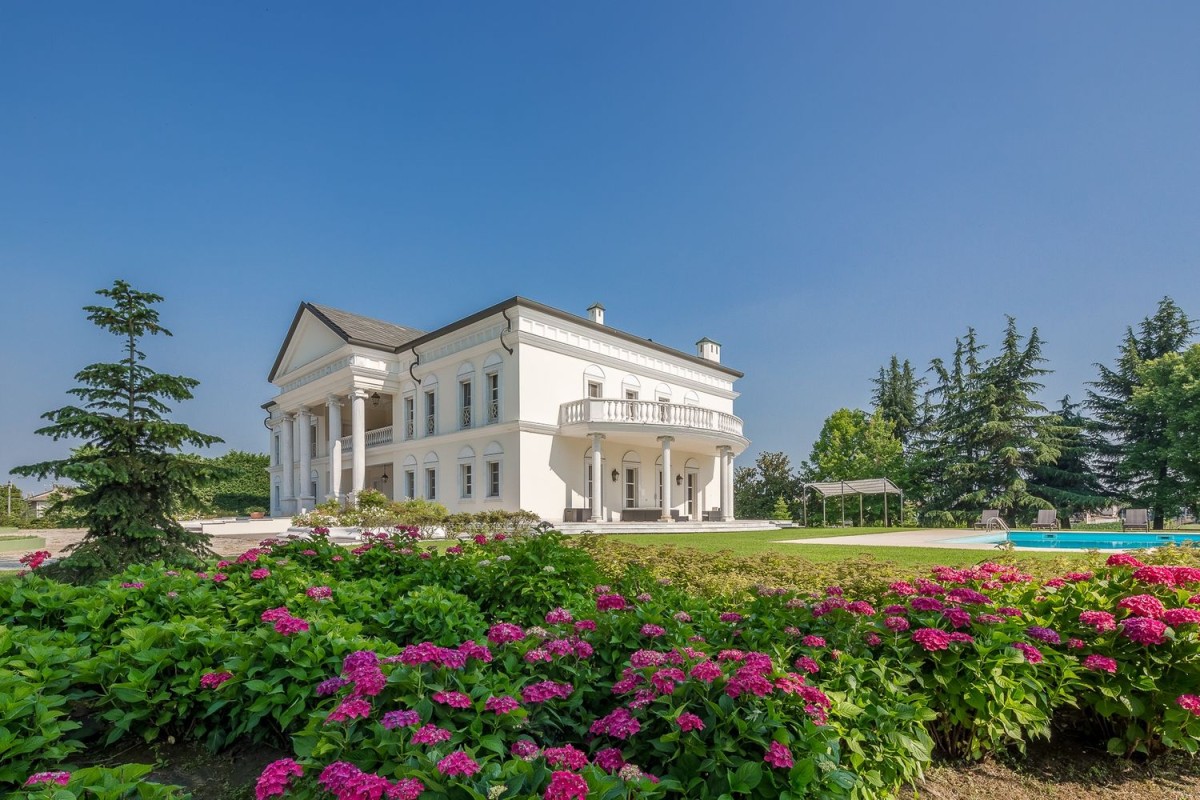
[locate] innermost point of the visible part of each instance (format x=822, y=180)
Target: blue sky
x=816, y=186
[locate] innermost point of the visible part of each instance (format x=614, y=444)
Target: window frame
x=493, y=475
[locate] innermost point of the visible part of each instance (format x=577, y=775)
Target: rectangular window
x=595, y=389
x=493, y=397
x=278, y=458
x=430, y=413
x=410, y=484
x=464, y=392
x=493, y=479
x=410, y=416
x=631, y=482
x=431, y=484
x=465, y=479
x=658, y=492
x=312, y=441
x=587, y=487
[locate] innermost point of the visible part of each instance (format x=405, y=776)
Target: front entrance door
x=631, y=487
x=691, y=495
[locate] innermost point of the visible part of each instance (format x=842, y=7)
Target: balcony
x=375, y=438
x=604, y=415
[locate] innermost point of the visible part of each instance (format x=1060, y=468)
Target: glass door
x=631, y=487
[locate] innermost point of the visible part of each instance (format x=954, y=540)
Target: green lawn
x=751, y=542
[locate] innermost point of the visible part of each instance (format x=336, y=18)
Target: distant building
x=38, y=504
x=517, y=406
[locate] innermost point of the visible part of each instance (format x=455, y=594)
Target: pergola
x=860, y=487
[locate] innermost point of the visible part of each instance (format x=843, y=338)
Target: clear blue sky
x=815, y=185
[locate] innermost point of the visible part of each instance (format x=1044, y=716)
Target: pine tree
x=130, y=475
x=1135, y=450
x=895, y=397
x=1071, y=483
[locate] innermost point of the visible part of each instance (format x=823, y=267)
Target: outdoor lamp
x=375, y=399
x=615, y=475
x=384, y=478
x=679, y=480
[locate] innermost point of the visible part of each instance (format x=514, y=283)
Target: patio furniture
x=1047, y=520
x=1136, y=519
x=987, y=519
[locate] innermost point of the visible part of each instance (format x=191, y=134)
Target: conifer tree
x=1071, y=483
x=130, y=476
x=1135, y=450
x=895, y=397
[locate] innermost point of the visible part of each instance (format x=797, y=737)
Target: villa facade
x=519, y=406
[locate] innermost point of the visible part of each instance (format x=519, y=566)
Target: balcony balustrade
x=375, y=438
x=648, y=412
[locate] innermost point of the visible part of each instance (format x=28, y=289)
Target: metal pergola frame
x=861, y=487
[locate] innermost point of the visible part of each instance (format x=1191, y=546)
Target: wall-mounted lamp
x=384, y=478
x=375, y=399
x=679, y=480
x=615, y=475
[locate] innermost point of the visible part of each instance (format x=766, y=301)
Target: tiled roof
x=357, y=328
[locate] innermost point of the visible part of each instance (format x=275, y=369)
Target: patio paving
x=923, y=538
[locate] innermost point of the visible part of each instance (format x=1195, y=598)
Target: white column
x=597, y=478
x=667, y=478
x=287, y=490
x=304, y=428
x=726, y=483
x=358, y=440
x=334, y=404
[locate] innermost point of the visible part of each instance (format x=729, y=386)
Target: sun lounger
x=1136, y=519
x=1047, y=520
x=987, y=518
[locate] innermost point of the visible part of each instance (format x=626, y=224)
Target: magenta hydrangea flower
x=504, y=632
x=1043, y=634
x=260, y=573
x=133, y=585
x=331, y=686
x=276, y=777
x=619, y=724
x=813, y=641
x=452, y=699
x=926, y=604
x=896, y=624
x=807, y=664
x=1144, y=630
x=931, y=639
x=1143, y=605
x=1100, y=620
x=59, y=777
x=501, y=705
x=611, y=602
x=1031, y=653
x=565, y=756
x=1155, y=576
x=349, y=709
x=275, y=614
x=653, y=631
x=524, y=749
x=689, y=722
x=404, y=718
x=458, y=763
x=1100, y=663
x=957, y=617
x=566, y=786
x=1123, y=560
x=779, y=756
x=545, y=691
x=431, y=734
x=289, y=625
x=319, y=592
x=609, y=759
x=1175, y=617
x=559, y=616
x=730, y=616
x=706, y=671
x=211, y=680
x=1189, y=702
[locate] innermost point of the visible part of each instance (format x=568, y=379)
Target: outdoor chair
x=987, y=518
x=1047, y=520
x=1136, y=519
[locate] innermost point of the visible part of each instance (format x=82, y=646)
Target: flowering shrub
x=509, y=669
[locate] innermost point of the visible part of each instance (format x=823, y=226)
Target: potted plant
x=256, y=512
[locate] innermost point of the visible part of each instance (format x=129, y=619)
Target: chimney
x=596, y=313
x=708, y=350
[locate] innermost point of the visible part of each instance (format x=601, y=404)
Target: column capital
x=304, y=412
x=333, y=400
x=666, y=439
x=288, y=416
x=596, y=435
x=725, y=449
x=359, y=394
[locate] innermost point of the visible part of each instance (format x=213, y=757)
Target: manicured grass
x=752, y=542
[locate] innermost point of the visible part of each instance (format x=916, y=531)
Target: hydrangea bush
x=506, y=667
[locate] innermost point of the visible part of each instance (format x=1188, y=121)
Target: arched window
x=466, y=473
x=631, y=478
x=466, y=396
x=429, y=386
x=493, y=470
x=492, y=383
x=410, y=477
x=690, y=398
x=431, y=476
x=593, y=381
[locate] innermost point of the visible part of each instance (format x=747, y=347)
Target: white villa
x=519, y=406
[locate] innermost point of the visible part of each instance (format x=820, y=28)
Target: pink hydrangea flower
x=653, y=631
x=565, y=756
x=896, y=624
x=319, y=592
x=619, y=724
x=559, y=616
x=524, y=749
x=431, y=734
x=1155, y=576
x=1177, y=617
x=566, y=786
x=1123, y=560
x=545, y=691
x=1143, y=605
x=504, y=632
x=452, y=699
x=1100, y=620
x=807, y=664
x=706, y=671
x=349, y=709
x=59, y=777
x=689, y=722
x=611, y=602
x=1189, y=702
x=931, y=639
x=211, y=680
x=1144, y=630
x=276, y=777
x=813, y=641
x=1100, y=663
x=260, y=573
x=458, y=763
x=1031, y=653
x=501, y=705
x=779, y=756
x=609, y=759
x=289, y=625
x=403, y=718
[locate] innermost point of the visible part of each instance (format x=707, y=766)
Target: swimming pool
x=1082, y=540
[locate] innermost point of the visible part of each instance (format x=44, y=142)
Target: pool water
x=1085, y=540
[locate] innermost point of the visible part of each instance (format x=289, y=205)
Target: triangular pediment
x=309, y=339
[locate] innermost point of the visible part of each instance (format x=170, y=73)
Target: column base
x=727, y=519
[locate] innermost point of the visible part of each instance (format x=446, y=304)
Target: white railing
x=375, y=438
x=648, y=412
x=464, y=420
x=493, y=412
